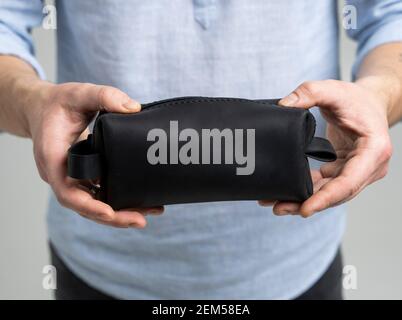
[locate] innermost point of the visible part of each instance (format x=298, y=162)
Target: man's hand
x=57, y=118
x=358, y=130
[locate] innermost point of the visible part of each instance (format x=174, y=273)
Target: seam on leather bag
x=189, y=101
x=308, y=133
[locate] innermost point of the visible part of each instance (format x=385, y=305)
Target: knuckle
x=103, y=94
x=42, y=174
x=383, y=148
x=67, y=91
x=45, y=152
x=107, y=94
x=387, y=151
x=352, y=190
x=333, y=82
x=350, y=187
x=110, y=97
x=80, y=89
x=308, y=88
x=62, y=199
x=355, y=189
x=38, y=154
x=384, y=172
x=326, y=199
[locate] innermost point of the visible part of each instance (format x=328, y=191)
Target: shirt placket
x=205, y=12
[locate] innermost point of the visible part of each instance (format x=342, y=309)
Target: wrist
x=388, y=90
x=33, y=95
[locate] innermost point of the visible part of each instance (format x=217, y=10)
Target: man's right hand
x=56, y=118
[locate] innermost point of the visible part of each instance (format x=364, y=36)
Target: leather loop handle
x=321, y=149
x=82, y=163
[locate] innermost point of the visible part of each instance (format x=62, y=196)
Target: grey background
x=372, y=242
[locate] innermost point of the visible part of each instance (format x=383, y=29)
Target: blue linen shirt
x=161, y=49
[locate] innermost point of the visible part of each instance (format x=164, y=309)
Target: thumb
x=310, y=94
x=91, y=97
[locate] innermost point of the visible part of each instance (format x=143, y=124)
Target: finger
x=332, y=169
x=313, y=93
x=151, y=210
x=75, y=198
x=356, y=174
x=286, y=208
x=316, y=176
x=84, y=134
x=71, y=195
x=130, y=219
x=42, y=171
x=282, y=208
x=123, y=218
x=82, y=202
x=96, y=97
x=266, y=203
x=294, y=208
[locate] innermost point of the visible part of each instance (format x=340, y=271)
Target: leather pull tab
x=321, y=149
x=82, y=163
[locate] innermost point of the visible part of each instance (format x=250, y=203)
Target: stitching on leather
x=169, y=104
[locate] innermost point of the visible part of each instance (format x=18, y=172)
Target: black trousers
x=71, y=287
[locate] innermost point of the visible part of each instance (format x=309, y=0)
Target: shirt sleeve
x=378, y=22
x=17, y=18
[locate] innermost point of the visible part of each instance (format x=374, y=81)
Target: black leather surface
x=282, y=138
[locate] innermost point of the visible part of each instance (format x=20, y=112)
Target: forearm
x=19, y=95
x=381, y=72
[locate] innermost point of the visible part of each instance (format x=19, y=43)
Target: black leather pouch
x=198, y=149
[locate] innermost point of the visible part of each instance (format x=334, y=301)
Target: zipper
x=156, y=103
x=198, y=98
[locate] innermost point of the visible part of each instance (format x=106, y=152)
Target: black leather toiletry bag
x=198, y=149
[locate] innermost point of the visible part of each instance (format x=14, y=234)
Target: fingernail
x=132, y=105
x=290, y=100
x=133, y=225
x=306, y=213
x=284, y=212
